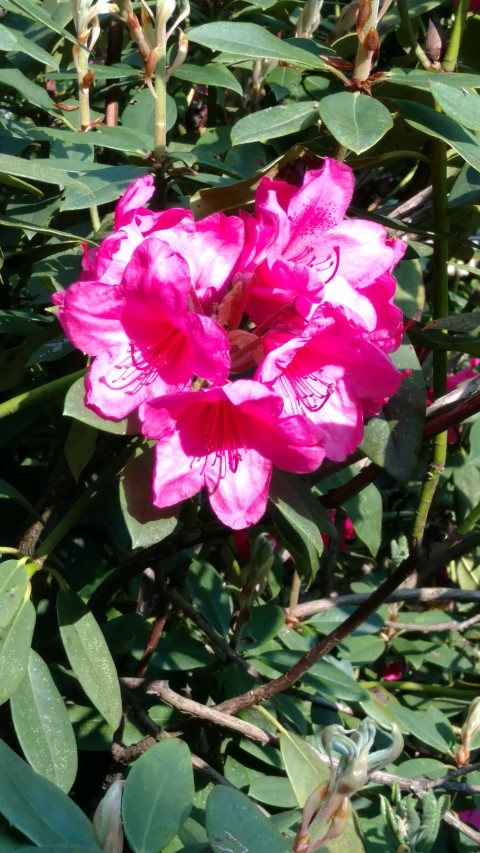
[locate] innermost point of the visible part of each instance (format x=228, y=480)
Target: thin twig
x=428, y=595
x=451, y=625
x=196, y=709
x=442, y=555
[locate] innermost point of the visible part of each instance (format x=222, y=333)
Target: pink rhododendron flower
x=327, y=375
x=210, y=247
x=393, y=671
x=146, y=342
x=471, y=816
x=301, y=238
x=243, y=341
x=227, y=440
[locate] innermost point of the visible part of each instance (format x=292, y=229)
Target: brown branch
x=451, y=625
x=453, y=819
x=446, y=416
x=204, y=712
x=427, y=595
x=441, y=556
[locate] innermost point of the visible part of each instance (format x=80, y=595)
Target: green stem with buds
x=411, y=36
x=364, y=57
x=165, y=9
x=439, y=309
x=451, y=55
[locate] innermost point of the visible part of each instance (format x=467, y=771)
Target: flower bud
x=107, y=820
x=435, y=41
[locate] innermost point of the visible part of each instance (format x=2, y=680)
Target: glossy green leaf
x=15, y=641
x=13, y=588
x=355, y=120
x=365, y=512
x=208, y=593
x=297, y=516
x=392, y=440
x=58, y=848
x=13, y=78
x=145, y=523
x=459, y=103
x=250, y=40
x=209, y=75
x=37, y=808
x=322, y=676
x=105, y=183
x=40, y=170
x=37, y=13
x=416, y=78
x=74, y=407
x=158, y=796
x=275, y=121
x=8, y=39
x=466, y=188
x=24, y=45
x=456, y=322
x=79, y=447
x=42, y=725
x=140, y=114
x=89, y=655
x=304, y=767
x=361, y=650
x=234, y=823
x=441, y=126
x=432, y=728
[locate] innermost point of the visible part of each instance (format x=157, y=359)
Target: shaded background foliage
x=180, y=609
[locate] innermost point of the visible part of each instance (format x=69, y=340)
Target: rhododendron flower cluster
x=242, y=342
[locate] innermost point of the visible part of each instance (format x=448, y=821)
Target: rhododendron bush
x=240, y=440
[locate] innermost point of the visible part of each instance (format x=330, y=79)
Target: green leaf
x=145, y=523
x=440, y=126
x=466, y=188
x=275, y=121
x=8, y=39
x=392, y=440
x=250, y=40
x=418, y=79
x=456, y=322
x=58, y=848
x=459, y=103
x=361, y=650
x=14, y=78
x=235, y=824
x=42, y=725
x=158, y=796
x=25, y=45
x=208, y=593
x=304, y=767
x=355, y=120
x=34, y=11
x=74, y=407
x=210, y=74
x=13, y=588
x=37, y=808
x=39, y=170
x=89, y=655
x=15, y=641
x=140, y=114
x=365, y=513
x=105, y=183
x=79, y=447
x=299, y=518
x=322, y=676
x=432, y=728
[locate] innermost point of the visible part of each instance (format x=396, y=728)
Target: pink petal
x=364, y=252
x=156, y=275
x=176, y=476
x=135, y=196
x=91, y=316
x=278, y=287
x=116, y=386
x=210, y=348
x=239, y=498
